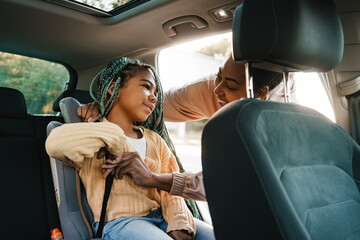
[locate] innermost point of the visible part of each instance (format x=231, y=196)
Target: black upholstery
x=280, y=168
x=15, y=106
x=27, y=200
x=275, y=170
x=83, y=96
x=303, y=35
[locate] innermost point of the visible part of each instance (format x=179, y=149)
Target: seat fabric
x=303, y=162
x=75, y=213
x=28, y=201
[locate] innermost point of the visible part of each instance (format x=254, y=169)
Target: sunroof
x=105, y=5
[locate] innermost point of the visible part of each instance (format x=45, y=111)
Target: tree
x=40, y=81
x=219, y=48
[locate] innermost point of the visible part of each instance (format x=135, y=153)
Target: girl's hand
x=89, y=112
x=180, y=235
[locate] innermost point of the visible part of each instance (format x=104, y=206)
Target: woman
x=194, y=101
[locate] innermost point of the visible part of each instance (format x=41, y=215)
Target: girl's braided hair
x=119, y=71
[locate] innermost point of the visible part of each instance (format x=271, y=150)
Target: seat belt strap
x=108, y=183
x=354, y=112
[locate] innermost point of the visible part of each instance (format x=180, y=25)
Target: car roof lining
x=81, y=40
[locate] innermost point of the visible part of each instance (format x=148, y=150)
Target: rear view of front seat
x=278, y=170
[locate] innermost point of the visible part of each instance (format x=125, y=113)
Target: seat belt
x=354, y=115
x=354, y=112
x=108, y=183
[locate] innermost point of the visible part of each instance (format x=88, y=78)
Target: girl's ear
x=262, y=93
x=111, y=88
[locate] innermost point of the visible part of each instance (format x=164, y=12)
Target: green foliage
x=106, y=5
x=219, y=48
x=40, y=81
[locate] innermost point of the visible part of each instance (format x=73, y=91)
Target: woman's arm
x=175, y=211
x=188, y=185
x=193, y=101
x=78, y=141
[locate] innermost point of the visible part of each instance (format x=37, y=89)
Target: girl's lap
x=136, y=230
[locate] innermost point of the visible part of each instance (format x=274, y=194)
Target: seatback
x=276, y=170
x=28, y=206
x=283, y=169
x=75, y=214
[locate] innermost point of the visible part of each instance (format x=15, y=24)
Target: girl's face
x=230, y=84
x=137, y=99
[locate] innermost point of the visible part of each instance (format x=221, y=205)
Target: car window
x=192, y=60
x=40, y=81
x=186, y=63
x=310, y=92
x=106, y=5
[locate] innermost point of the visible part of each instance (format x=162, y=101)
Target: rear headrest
x=83, y=96
x=298, y=35
x=13, y=103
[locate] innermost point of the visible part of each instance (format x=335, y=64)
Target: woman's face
x=230, y=84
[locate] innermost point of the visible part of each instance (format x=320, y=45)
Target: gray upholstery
x=75, y=218
x=83, y=96
x=303, y=35
x=288, y=158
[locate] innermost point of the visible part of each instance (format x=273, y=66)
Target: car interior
x=290, y=172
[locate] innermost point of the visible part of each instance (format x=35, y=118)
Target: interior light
x=221, y=13
x=225, y=12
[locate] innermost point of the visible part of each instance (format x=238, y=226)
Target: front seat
x=278, y=170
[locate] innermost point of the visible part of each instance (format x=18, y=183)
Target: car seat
x=279, y=170
x=74, y=211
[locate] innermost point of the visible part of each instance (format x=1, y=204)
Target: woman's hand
x=111, y=163
x=180, y=235
x=131, y=164
x=89, y=112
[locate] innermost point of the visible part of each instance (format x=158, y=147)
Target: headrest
x=288, y=35
x=83, y=96
x=13, y=103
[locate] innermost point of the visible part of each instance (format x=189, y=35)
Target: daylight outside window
x=105, y=5
x=40, y=81
x=190, y=61
x=186, y=63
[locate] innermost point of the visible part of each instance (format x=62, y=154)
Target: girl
x=128, y=93
x=194, y=101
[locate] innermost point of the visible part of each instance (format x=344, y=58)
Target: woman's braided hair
x=119, y=71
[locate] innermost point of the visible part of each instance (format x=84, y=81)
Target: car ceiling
x=49, y=31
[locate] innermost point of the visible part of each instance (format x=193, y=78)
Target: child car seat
x=74, y=211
